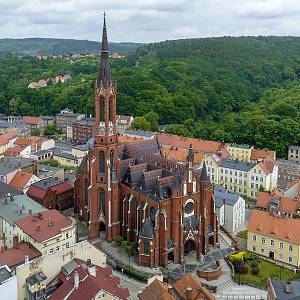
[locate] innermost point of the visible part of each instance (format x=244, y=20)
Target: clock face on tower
x=110, y=129
x=101, y=129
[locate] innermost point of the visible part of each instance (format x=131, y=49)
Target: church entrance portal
x=189, y=246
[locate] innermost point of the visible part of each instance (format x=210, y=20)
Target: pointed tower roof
x=204, y=176
x=104, y=76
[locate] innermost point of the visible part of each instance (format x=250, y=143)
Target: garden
x=255, y=271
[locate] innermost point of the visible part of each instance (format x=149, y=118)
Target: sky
x=148, y=20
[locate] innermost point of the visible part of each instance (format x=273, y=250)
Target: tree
x=50, y=130
x=35, y=132
x=152, y=118
x=140, y=123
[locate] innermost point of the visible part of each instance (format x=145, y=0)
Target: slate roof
x=235, y=164
x=7, y=189
x=147, y=229
x=279, y=288
x=222, y=196
x=65, y=155
x=11, y=163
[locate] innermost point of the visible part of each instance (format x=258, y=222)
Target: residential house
x=52, y=193
x=41, y=83
x=33, y=85
x=22, y=181
x=20, y=253
x=240, y=152
x=82, y=130
x=81, y=151
x=66, y=159
x=230, y=209
x=37, y=143
x=12, y=209
x=66, y=118
x=283, y=289
x=19, y=151
x=288, y=171
x=8, y=284
x=89, y=282
x=123, y=123
x=7, y=141
x=186, y=287
x=274, y=236
x=294, y=153
x=33, y=122
x=50, y=266
x=48, y=231
x=42, y=155
x=7, y=190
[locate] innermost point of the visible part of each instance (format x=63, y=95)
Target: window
x=111, y=108
x=102, y=201
x=102, y=110
x=281, y=245
x=51, y=250
x=86, y=193
x=101, y=162
x=254, y=238
x=262, y=250
x=271, y=243
x=67, y=235
x=253, y=248
x=57, y=248
x=146, y=247
x=290, y=248
x=290, y=259
x=263, y=240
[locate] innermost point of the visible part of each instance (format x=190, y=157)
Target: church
x=133, y=191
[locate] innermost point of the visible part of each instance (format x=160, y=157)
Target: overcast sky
x=148, y=20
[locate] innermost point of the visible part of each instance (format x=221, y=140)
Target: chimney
x=288, y=287
x=26, y=258
x=189, y=293
x=76, y=280
x=92, y=270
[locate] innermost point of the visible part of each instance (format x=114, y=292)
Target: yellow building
x=275, y=237
x=48, y=231
x=67, y=159
x=240, y=152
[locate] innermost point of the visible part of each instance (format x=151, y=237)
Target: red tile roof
x=61, y=188
x=261, y=154
x=4, y=138
x=36, y=192
x=14, y=151
x=267, y=165
x=20, y=180
x=44, y=225
x=156, y=290
x=176, y=141
x=89, y=285
x=123, y=139
x=16, y=256
x=279, y=227
x=32, y=120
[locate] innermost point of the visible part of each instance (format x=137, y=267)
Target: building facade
x=83, y=130
x=294, y=154
x=131, y=190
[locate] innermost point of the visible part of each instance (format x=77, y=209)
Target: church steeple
x=104, y=76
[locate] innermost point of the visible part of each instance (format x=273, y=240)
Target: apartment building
x=294, y=153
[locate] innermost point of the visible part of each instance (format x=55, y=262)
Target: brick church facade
x=133, y=191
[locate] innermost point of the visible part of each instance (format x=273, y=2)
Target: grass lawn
x=243, y=234
x=266, y=269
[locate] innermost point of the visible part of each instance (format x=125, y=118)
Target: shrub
x=255, y=270
x=254, y=263
x=243, y=268
x=118, y=240
x=249, y=256
x=237, y=256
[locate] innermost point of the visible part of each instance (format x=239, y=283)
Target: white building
x=230, y=209
x=8, y=284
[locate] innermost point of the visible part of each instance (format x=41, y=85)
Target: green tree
x=152, y=118
x=140, y=123
x=35, y=131
x=50, y=130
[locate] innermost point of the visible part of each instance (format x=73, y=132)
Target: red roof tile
x=14, y=151
x=36, y=192
x=61, y=188
x=4, y=138
x=31, y=120
x=89, y=285
x=14, y=257
x=20, y=180
x=37, y=226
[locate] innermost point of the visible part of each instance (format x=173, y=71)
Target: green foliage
x=50, y=130
x=255, y=270
x=118, y=239
x=35, y=131
x=152, y=118
x=52, y=163
x=249, y=256
x=239, y=256
x=140, y=123
x=243, y=234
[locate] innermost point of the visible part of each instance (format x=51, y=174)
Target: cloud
x=148, y=20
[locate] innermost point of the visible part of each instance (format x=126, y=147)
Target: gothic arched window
x=111, y=158
x=102, y=110
x=101, y=162
x=111, y=109
x=146, y=247
x=152, y=215
x=86, y=193
x=102, y=201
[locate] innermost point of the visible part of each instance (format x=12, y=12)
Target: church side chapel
x=133, y=191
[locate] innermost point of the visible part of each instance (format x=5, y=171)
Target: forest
x=242, y=90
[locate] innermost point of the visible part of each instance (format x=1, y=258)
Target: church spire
x=104, y=76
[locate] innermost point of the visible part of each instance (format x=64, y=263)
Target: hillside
x=243, y=90
x=58, y=46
